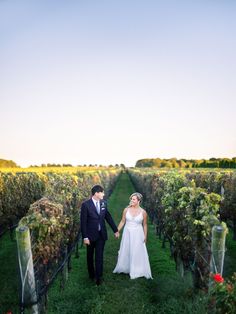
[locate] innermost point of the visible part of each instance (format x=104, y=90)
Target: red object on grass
x=218, y=278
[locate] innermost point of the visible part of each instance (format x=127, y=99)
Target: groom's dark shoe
x=91, y=278
x=98, y=282
x=91, y=275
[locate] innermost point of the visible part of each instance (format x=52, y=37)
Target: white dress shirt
x=95, y=203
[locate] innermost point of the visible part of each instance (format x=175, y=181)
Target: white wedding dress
x=132, y=256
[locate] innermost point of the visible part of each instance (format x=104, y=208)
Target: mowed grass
x=230, y=255
x=9, y=282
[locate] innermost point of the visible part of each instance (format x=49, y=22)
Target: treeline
x=7, y=163
x=187, y=163
x=4, y=163
x=50, y=165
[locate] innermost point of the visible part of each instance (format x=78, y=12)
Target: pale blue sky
x=114, y=81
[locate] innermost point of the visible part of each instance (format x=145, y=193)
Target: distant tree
x=4, y=163
x=225, y=163
x=53, y=165
x=166, y=164
x=157, y=162
x=187, y=163
x=182, y=163
x=174, y=163
x=145, y=163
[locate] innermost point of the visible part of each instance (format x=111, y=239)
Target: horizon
x=106, y=82
x=108, y=165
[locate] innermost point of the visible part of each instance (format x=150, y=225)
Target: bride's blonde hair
x=138, y=195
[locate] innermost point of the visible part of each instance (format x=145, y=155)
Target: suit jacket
x=90, y=220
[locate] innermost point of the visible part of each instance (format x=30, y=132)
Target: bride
x=133, y=256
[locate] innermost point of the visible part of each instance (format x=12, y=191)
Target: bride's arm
x=122, y=222
x=145, y=225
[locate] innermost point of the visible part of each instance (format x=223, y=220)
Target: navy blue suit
x=93, y=227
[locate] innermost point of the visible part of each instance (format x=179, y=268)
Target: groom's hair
x=97, y=188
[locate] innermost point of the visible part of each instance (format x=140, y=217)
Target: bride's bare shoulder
x=144, y=211
x=124, y=212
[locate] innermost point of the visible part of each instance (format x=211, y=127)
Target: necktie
x=98, y=209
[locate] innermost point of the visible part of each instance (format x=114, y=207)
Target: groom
x=94, y=212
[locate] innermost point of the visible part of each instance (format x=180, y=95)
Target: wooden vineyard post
x=64, y=271
x=218, y=249
x=28, y=289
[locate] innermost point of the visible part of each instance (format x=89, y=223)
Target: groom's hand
x=117, y=234
x=86, y=241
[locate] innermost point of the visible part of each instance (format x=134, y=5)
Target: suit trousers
x=96, y=247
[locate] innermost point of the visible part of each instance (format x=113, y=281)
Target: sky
x=107, y=81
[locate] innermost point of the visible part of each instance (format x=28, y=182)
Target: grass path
x=118, y=293
x=9, y=296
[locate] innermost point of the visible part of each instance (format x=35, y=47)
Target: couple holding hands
x=132, y=256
